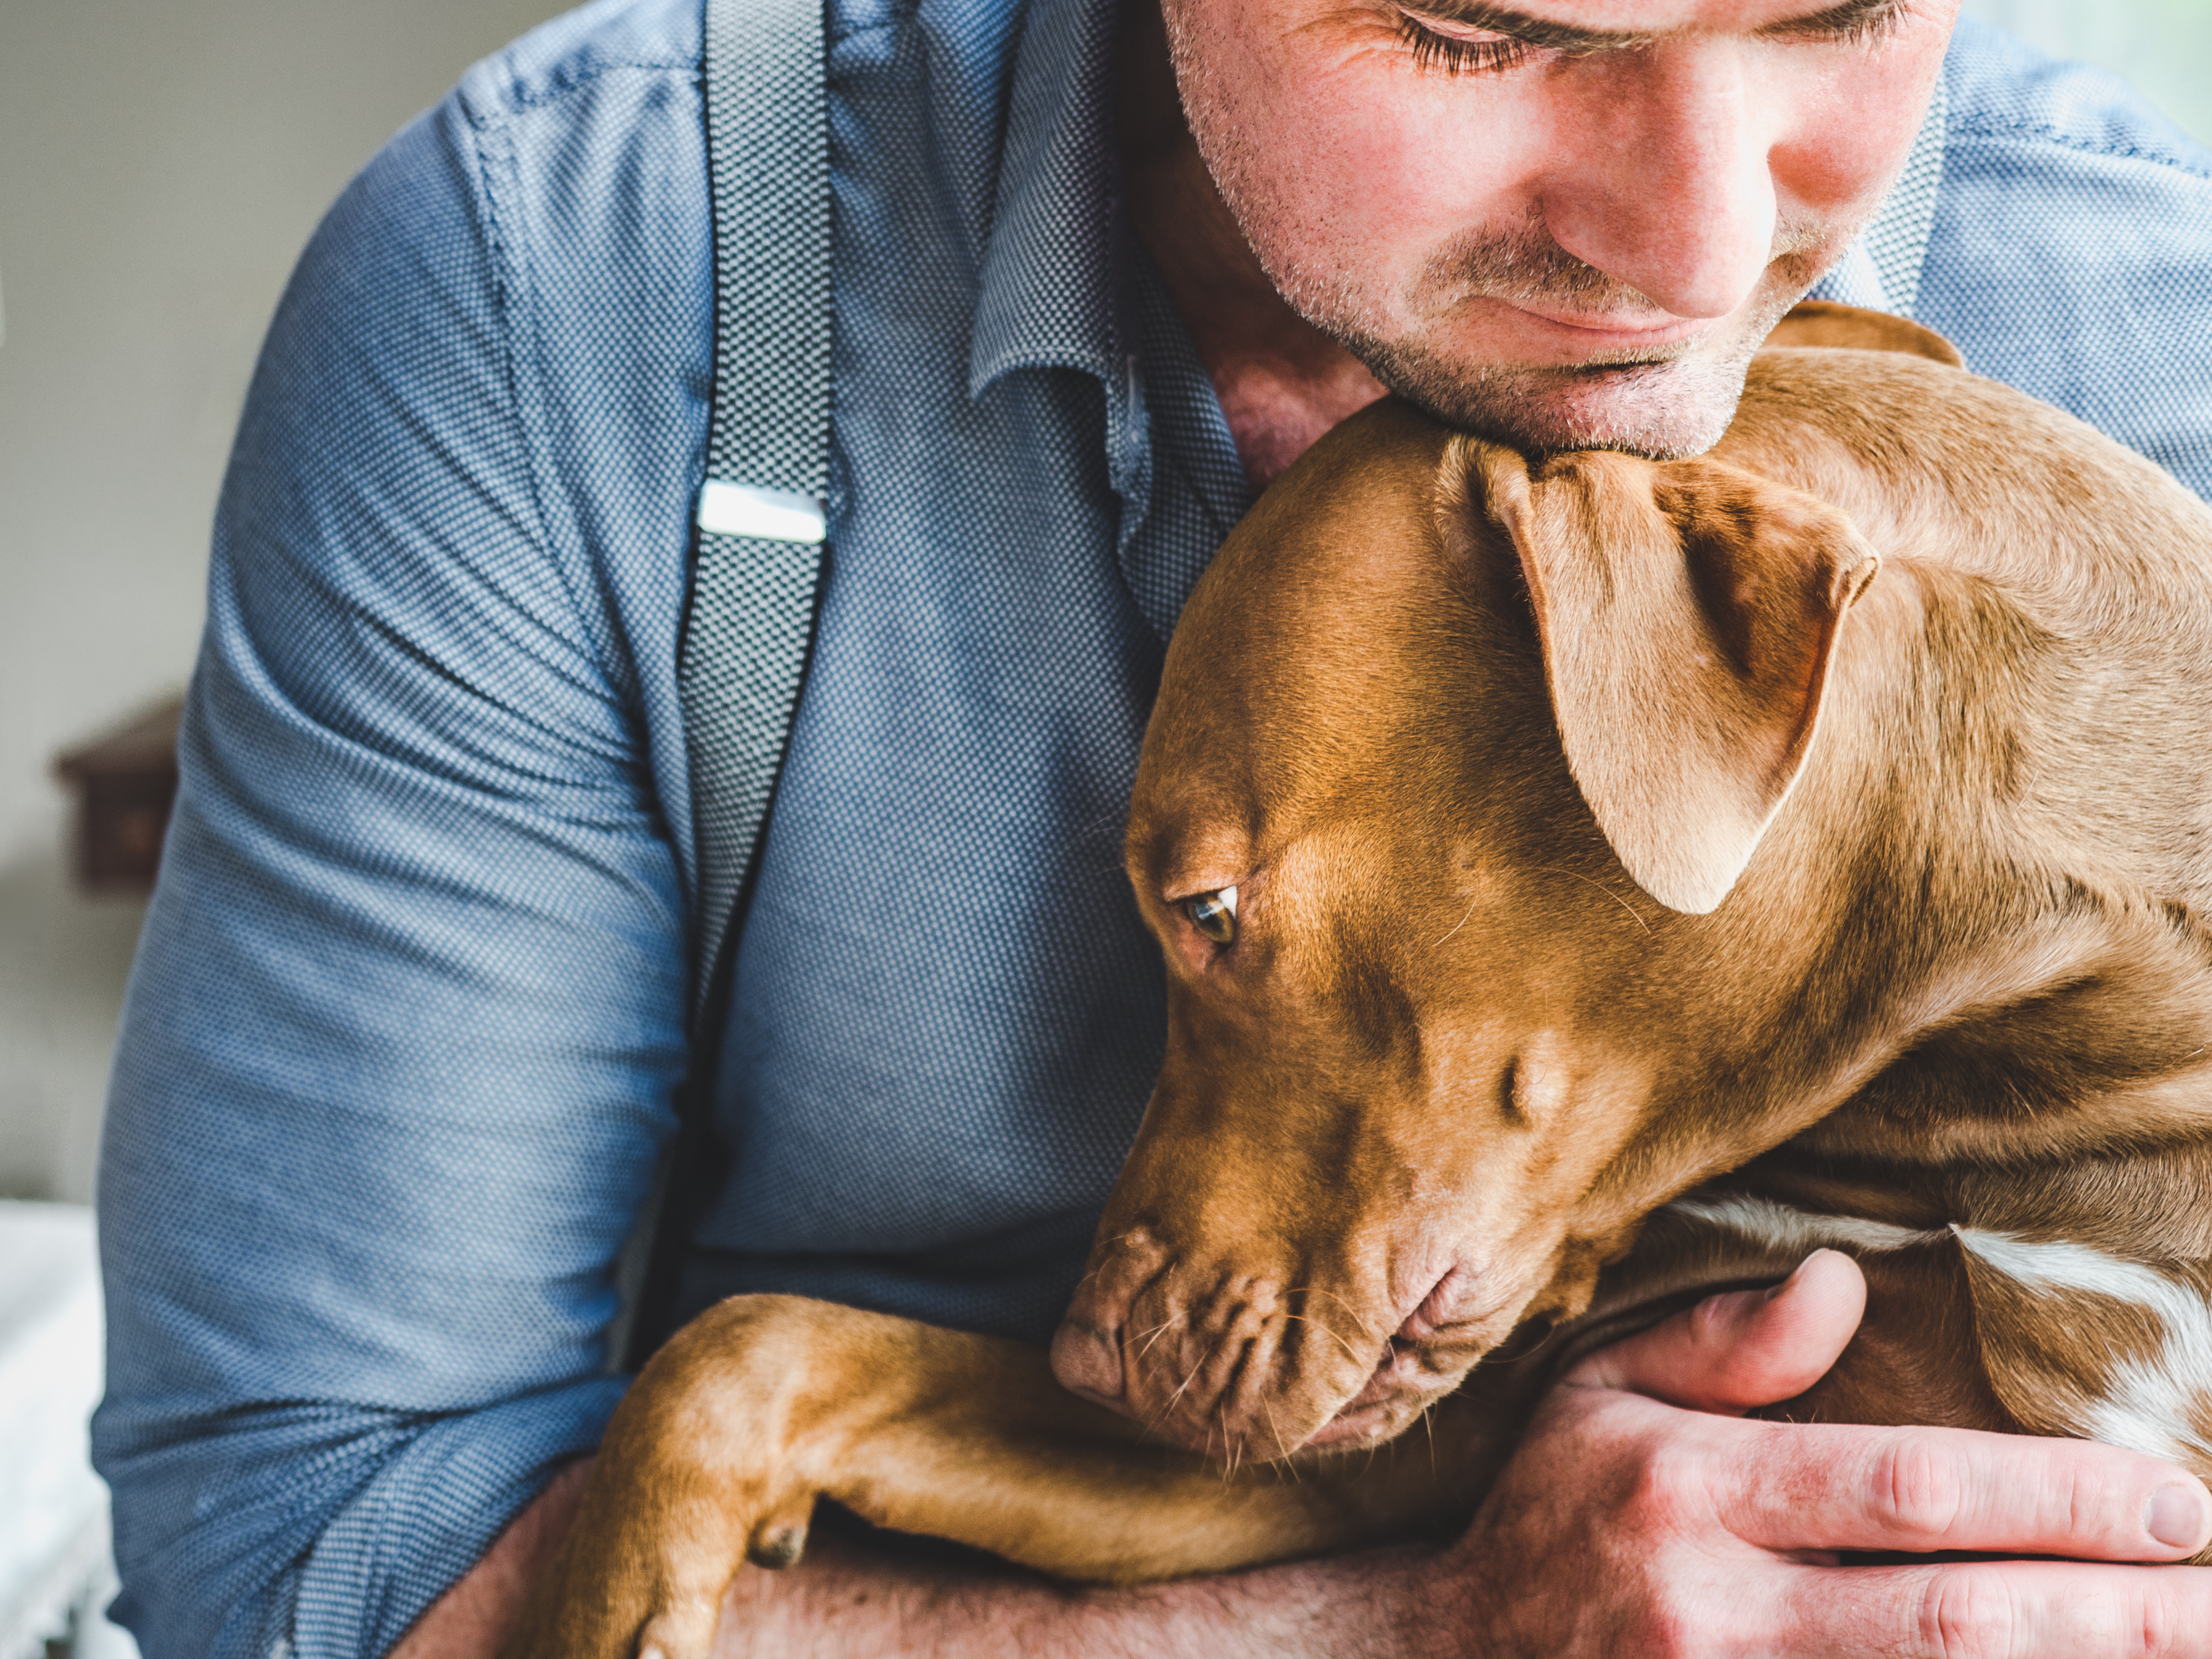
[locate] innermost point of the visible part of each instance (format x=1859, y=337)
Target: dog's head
x=1455, y=757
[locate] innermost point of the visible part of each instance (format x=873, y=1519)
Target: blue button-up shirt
x=409, y=1011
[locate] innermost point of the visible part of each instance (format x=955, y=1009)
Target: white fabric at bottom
x=53, y=1519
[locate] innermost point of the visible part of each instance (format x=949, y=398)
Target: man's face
x=1566, y=223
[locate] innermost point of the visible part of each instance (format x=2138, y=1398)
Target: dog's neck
x=2008, y=966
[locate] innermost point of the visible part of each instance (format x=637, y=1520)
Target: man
x=412, y=1005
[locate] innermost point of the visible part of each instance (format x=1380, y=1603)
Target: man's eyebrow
x=1848, y=17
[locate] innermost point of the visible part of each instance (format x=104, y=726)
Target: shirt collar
x=1046, y=293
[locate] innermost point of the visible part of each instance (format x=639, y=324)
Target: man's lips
x=1580, y=333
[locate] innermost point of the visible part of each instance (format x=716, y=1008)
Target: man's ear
x=1827, y=323
x=1688, y=612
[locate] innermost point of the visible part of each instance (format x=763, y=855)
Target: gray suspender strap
x=760, y=512
x=759, y=522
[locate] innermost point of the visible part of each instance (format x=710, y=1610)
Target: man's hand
x=1625, y=1525
x=1642, y=1518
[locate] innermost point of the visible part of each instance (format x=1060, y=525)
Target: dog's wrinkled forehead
x=1685, y=614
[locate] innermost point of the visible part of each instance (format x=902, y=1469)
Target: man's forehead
x=1611, y=25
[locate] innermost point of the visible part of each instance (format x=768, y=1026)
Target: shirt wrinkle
x=1990, y=126
x=502, y=255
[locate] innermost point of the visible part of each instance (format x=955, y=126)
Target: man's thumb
x=1741, y=1349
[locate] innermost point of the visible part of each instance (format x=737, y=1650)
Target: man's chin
x=1666, y=410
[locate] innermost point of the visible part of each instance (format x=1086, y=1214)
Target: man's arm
x=410, y=1002
x=1642, y=1515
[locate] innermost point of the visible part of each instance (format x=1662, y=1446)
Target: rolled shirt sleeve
x=400, y=1042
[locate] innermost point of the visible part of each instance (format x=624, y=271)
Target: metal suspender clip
x=774, y=516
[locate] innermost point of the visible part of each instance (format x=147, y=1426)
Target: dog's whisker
x=1182, y=1388
x=1462, y=922
x=1272, y=1429
x=1557, y=870
x=1309, y=1319
x=1357, y=1318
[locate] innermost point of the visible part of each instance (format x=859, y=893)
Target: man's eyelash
x=1454, y=57
x=1433, y=50
x=1868, y=29
x=1875, y=28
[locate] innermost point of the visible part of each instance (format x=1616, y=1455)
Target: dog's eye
x=1214, y=914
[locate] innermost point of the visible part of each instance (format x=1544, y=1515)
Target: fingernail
x=1795, y=1273
x=2175, y=1515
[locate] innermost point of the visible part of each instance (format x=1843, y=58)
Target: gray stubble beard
x=1666, y=403
x=1666, y=407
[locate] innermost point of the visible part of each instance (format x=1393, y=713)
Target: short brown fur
x=1897, y=700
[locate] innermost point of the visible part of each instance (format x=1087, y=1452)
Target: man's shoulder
x=2003, y=93
x=547, y=67
x=2071, y=254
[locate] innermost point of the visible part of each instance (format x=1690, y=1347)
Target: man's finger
x=1818, y=1487
x=1999, y=1610
x=1741, y=1349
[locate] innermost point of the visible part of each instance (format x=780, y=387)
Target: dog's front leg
x=703, y=1466
x=765, y=1403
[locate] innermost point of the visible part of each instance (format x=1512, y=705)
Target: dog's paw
x=644, y=1570
x=680, y=1632
x=692, y=1583
x=696, y=1477
x=778, y=1539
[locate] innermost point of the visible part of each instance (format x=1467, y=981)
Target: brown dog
x=1585, y=883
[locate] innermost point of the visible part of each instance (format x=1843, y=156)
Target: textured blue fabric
x=960, y=765
x=2072, y=249
x=402, y=1038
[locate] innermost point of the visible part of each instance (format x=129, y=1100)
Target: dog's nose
x=1088, y=1363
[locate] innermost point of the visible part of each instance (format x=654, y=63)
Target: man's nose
x=1665, y=185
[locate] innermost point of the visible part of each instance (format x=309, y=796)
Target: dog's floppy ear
x=1688, y=611
x=1827, y=323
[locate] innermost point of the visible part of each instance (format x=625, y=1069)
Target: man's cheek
x=1856, y=114
x=1346, y=141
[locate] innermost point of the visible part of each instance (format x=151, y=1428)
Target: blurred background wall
x=161, y=164
x=2163, y=46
